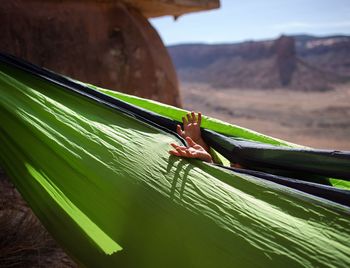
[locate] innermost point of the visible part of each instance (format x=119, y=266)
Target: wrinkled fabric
x=104, y=185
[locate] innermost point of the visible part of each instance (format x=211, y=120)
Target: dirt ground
x=24, y=242
x=315, y=119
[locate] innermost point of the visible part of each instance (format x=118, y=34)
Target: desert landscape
x=315, y=119
x=295, y=88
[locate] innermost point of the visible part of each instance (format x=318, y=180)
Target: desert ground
x=315, y=119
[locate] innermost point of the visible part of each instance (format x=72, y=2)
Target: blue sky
x=239, y=20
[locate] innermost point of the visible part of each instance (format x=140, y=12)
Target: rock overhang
x=158, y=8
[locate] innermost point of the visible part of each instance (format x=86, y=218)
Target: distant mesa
x=300, y=62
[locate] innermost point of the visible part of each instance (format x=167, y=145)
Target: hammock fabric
x=94, y=166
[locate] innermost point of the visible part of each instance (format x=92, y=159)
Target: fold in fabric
x=102, y=182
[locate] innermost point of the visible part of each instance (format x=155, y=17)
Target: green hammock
x=102, y=182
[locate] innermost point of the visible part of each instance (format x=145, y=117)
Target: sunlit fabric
x=101, y=180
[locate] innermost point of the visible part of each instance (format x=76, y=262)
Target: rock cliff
x=303, y=63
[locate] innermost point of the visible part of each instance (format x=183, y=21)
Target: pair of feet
x=191, y=131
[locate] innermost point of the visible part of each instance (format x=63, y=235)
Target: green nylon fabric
x=209, y=123
x=106, y=188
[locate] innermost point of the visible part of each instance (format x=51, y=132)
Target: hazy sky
x=239, y=20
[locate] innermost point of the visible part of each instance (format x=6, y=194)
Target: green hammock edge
x=208, y=123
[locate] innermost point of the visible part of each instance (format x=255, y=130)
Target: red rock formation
x=286, y=58
x=100, y=42
x=156, y=8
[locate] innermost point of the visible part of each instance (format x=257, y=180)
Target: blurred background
x=277, y=67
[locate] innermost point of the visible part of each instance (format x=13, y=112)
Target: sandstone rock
x=155, y=8
x=285, y=58
x=101, y=42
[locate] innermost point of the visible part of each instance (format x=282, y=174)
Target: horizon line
x=255, y=40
